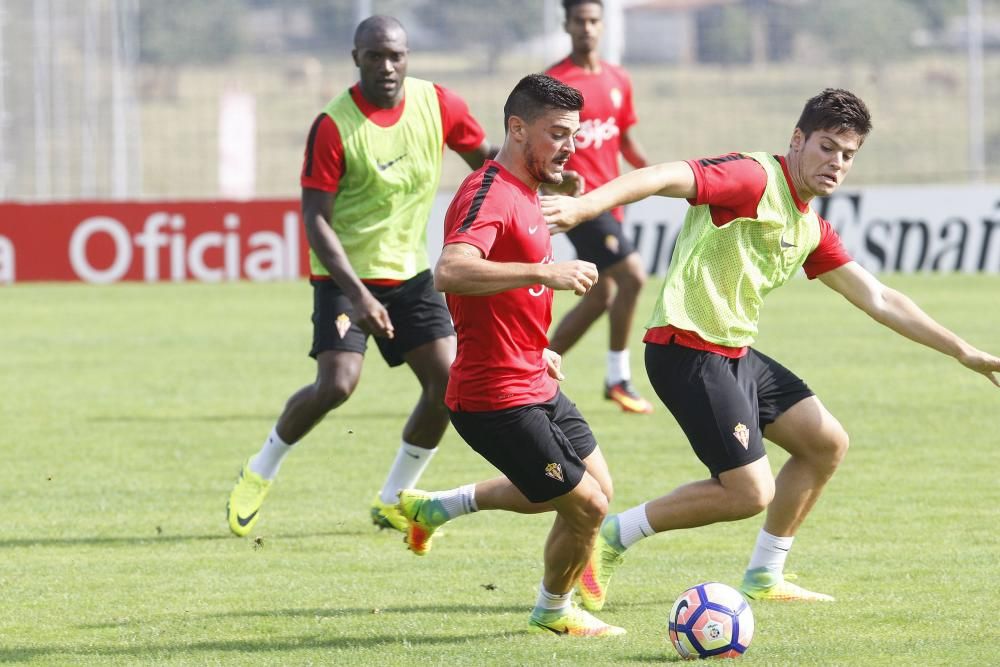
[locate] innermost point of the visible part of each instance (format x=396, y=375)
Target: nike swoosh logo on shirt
x=532, y=229
x=383, y=166
x=786, y=244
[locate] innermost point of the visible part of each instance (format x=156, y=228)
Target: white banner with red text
x=932, y=228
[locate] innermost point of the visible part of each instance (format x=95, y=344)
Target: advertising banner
x=933, y=228
x=106, y=242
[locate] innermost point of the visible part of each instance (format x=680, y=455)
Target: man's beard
x=537, y=167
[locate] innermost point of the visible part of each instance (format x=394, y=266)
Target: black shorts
x=722, y=404
x=601, y=241
x=539, y=447
x=418, y=313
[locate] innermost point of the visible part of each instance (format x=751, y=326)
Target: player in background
x=749, y=229
x=607, y=124
x=497, y=271
x=370, y=174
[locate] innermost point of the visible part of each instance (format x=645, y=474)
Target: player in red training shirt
x=749, y=230
x=369, y=178
x=497, y=271
x=607, y=123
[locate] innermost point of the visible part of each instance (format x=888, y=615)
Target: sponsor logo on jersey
x=742, y=434
x=343, y=323
x=554, y=470
x=594, y=132
x=616, y=97
x=539, y=290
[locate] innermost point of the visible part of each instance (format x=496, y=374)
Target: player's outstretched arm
x=462, y=269
x=898, y=312
x=668, y=179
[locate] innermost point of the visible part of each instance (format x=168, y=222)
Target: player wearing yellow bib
x=369, y=177
x=750, y=228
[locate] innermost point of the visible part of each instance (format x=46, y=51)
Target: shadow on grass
x=166, y=419
x=146, y=540
x=249, y=645
x=329, y=612
x=335, y=612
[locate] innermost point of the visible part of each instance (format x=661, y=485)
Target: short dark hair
x=374, y=25
x=570, y=4
x=537, y=93
x=836, y=110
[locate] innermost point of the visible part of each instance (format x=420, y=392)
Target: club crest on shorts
x=742, y=434
x=343, y=323
x=611, y=243
x=554, y=470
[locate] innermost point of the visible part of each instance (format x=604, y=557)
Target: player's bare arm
x=898, y=312
x=632, y=151
x=667, y=179
x=462, y=269
x=317, y=208
x=476, y=157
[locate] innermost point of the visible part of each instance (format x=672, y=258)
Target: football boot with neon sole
x=423, y=515
x=243, y=508
x=386, y=515
x=628, y=399
x=572, y=621
x=607, y=555
x=759, y=584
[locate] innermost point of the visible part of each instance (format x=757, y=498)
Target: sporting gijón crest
x=343, y=323
x=554, y=470
x=742, y=433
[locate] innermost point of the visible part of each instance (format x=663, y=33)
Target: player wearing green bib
x=750, y=228
x=369, y=177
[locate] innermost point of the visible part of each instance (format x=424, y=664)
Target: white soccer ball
x=710, y=620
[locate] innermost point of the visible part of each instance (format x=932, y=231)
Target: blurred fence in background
x=132, y=99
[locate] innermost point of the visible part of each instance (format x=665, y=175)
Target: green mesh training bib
x=390, y=179
x=719, y=276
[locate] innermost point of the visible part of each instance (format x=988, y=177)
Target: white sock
x=458, y=502
x=406, y=470
x=552, y=601
x=267, y=461
x=619, y=367
x=770, y=552
x=633, y=525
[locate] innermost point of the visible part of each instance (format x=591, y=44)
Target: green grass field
x=127, y=410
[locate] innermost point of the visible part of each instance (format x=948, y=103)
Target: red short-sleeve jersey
x=607, y=113
x=323, y=163
x=501, y=337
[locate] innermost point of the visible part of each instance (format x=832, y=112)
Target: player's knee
x=590, y=510
x=634, y=278
x=839, y=442
x=332, y=393
x=434, y=391
x=594, y=510
x=753, y=497
x=830, y=448
x=600, y=298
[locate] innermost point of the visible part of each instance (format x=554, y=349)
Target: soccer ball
x=711, y=620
